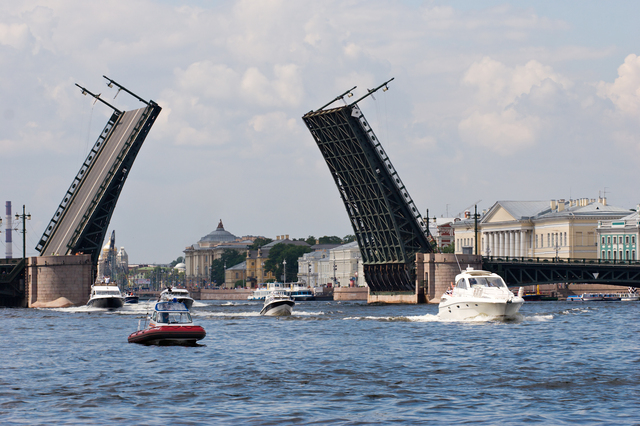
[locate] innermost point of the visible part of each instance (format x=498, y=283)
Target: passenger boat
x=131, y=297
x=301, y=293
x=479, y=293
x=264, y=290
x=600, y=297
x=170, y=323
x=181, y=295
x=277, y=303
x=105, y=295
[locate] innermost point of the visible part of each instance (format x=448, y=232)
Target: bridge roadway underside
x=588, y=271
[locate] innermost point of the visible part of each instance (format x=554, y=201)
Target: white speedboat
x=277, y=303
x=479, y=293
x=105, y=295
x=173, y=294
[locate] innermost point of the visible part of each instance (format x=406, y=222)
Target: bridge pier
x=436, y=271
x=52, y=277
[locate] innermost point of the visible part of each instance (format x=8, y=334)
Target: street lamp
x=309, y=283
x=284, y=267
x=24, y=217
x=334, y=273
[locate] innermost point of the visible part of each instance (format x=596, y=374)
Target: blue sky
x=491, y=101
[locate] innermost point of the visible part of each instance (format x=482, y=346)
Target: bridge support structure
x=50, y=278
x=436, y=271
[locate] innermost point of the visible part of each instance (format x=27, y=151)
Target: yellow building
x=546, y=229
x=199, y=256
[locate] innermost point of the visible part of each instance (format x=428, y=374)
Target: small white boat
x=479, y=293
x=173, y=294
x=631, y=296
x=105, y=295
x=277, y=303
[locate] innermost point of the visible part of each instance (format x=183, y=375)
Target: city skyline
x=491, y=101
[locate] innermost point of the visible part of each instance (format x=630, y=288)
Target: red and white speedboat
x=170, y=323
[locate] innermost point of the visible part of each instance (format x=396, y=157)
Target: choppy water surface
x=330, y=363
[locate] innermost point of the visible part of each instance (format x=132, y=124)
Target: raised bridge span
x=384, y=218
x=80, y=222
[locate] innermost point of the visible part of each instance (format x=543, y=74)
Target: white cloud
x=504, y=133
x=624, y=92
x=500, y=85
x=14, y=35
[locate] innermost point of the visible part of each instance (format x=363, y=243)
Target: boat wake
x=435, y=318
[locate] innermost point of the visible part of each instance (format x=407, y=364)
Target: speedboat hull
x=467, y=308
x=131, y=299
x=106, y=302
x=278, y=308
x=168, y=335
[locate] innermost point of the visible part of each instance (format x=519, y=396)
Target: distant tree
x=175, y=262
x=451, y=248
x=288, y=252
x=239, y=283
x=330, y=240
x=259, y=242
x=311, y=240
x=348, y=239
x=228, y=257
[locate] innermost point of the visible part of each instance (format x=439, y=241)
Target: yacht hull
x=106, y=302
x=468, y=308
x=278, y=308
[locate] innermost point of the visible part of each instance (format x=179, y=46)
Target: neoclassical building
x=198, y=257
x=618, y=239
x=548, y=229
x=339, y=266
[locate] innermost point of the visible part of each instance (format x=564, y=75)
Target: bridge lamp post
x=24, y=218
x=309, y=283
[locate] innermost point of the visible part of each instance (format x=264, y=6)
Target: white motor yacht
x=180, y=295
x=277, y=303
x=479, y=293
x=105, y=295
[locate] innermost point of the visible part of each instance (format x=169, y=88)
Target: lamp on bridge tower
x=24, y=218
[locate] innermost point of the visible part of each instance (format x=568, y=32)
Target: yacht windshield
x=486, y=282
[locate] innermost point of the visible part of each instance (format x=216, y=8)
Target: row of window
x=619, y=240
x=617, y=255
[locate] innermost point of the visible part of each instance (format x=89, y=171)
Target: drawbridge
x=384, y=218
x=80, y=222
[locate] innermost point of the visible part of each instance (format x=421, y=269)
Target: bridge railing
x=516, y=259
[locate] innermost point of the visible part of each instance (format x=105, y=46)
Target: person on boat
x=450, y=290
x=164, y=317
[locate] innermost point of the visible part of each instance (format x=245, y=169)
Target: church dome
x=218, y=236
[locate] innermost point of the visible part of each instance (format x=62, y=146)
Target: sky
x=491, y=100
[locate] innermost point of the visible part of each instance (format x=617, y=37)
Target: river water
x=330, y=363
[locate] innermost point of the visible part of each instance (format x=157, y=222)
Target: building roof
x=524, y=209
x=240, y=266
x=218, y=236
x=284, y=241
